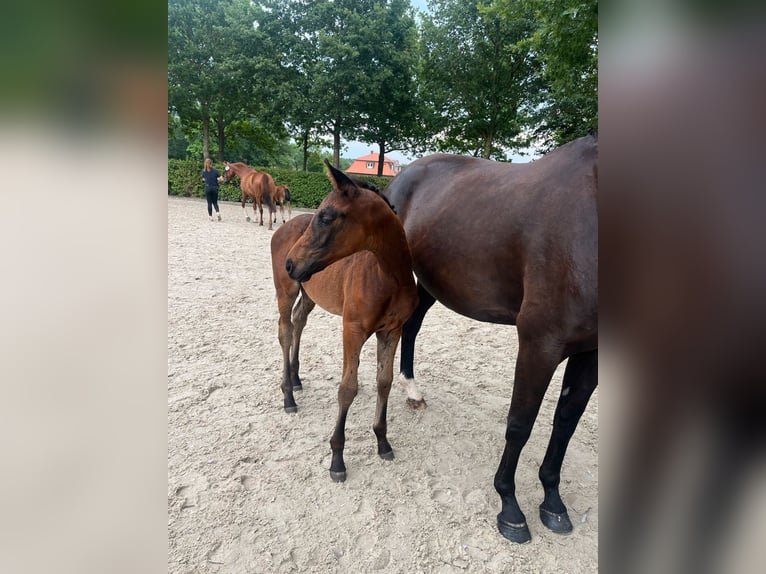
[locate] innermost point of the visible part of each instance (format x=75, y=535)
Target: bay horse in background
x=255, y=184
x=351, y=258
x=282, y=196
x=530, y=261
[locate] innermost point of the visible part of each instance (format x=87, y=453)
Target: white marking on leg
x=412, y=390
x=565, y=392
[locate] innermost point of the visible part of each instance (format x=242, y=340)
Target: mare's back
x=475, y=227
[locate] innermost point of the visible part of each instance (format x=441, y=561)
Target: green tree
x=221, y=68
x=478, y=75
x=566, y=39
x=329, y=65
x=387, y=104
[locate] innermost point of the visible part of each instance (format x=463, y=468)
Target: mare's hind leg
x=260, y=210
x=580, y=379
x=537, y=360
x=386, y=351
x=349, y=385
x=287, y=292
x=300, y=315
x=409, y=332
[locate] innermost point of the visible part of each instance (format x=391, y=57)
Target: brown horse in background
x=532, y=261
x=351, y=258
x=282, y=196
x=256, y=184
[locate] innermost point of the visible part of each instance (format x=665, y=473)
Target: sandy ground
x=248, y=485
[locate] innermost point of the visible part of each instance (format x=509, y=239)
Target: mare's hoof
x=559, y=523
x=297, y=387
x=387, y=455
x=418, y=405
x=518, y=533
x=291, y=409
x=338, y=476
x=247, y=219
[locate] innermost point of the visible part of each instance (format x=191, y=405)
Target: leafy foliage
x=469, y=76
x=566, y=39
x=478, y=73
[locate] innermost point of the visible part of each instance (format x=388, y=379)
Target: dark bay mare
x=351, y=258
x=256, y=184
x=530, y=260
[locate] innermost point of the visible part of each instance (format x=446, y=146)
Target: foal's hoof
x=416, y=405
x=559, y=523
x=338, y=476
x=297, y=387
x=518, y=533
x=387, y=455
x=291, y=409
x=247, y=218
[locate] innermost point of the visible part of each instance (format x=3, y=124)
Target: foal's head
x=342, y=225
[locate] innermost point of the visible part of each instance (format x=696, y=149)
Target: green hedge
x=307, y=189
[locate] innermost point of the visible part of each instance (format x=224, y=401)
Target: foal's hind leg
x=580, y=379
x=409, y=333
x=537, y=360
x=386, y=351
x=349, y=385
x=300, y=315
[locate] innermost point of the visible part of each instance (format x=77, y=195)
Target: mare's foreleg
x=386, y=350
x=353, y=340
x=409, y=332
x=537, y=360
x=300, y=315
x=580, y=379
x=286, y=295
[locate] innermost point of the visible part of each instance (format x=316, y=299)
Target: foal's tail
x=289, y=204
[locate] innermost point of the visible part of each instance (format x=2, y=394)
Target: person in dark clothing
x=211, y=177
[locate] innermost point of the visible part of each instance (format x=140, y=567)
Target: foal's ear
x=341, y=182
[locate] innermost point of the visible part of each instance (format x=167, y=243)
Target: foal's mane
x=367, y=185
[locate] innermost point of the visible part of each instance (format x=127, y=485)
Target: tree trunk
x=205, y=136
x=487, y=147
x=336, y=145
x=381, y=157
x=305, y=150
x=221, y=138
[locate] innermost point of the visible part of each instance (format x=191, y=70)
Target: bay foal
x=351, y=258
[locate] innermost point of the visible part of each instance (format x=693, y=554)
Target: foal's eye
x=325, y=218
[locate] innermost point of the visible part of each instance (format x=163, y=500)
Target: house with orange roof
x=368, y=165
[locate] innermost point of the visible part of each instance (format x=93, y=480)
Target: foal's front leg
x=386, y=350
x=349, y=385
